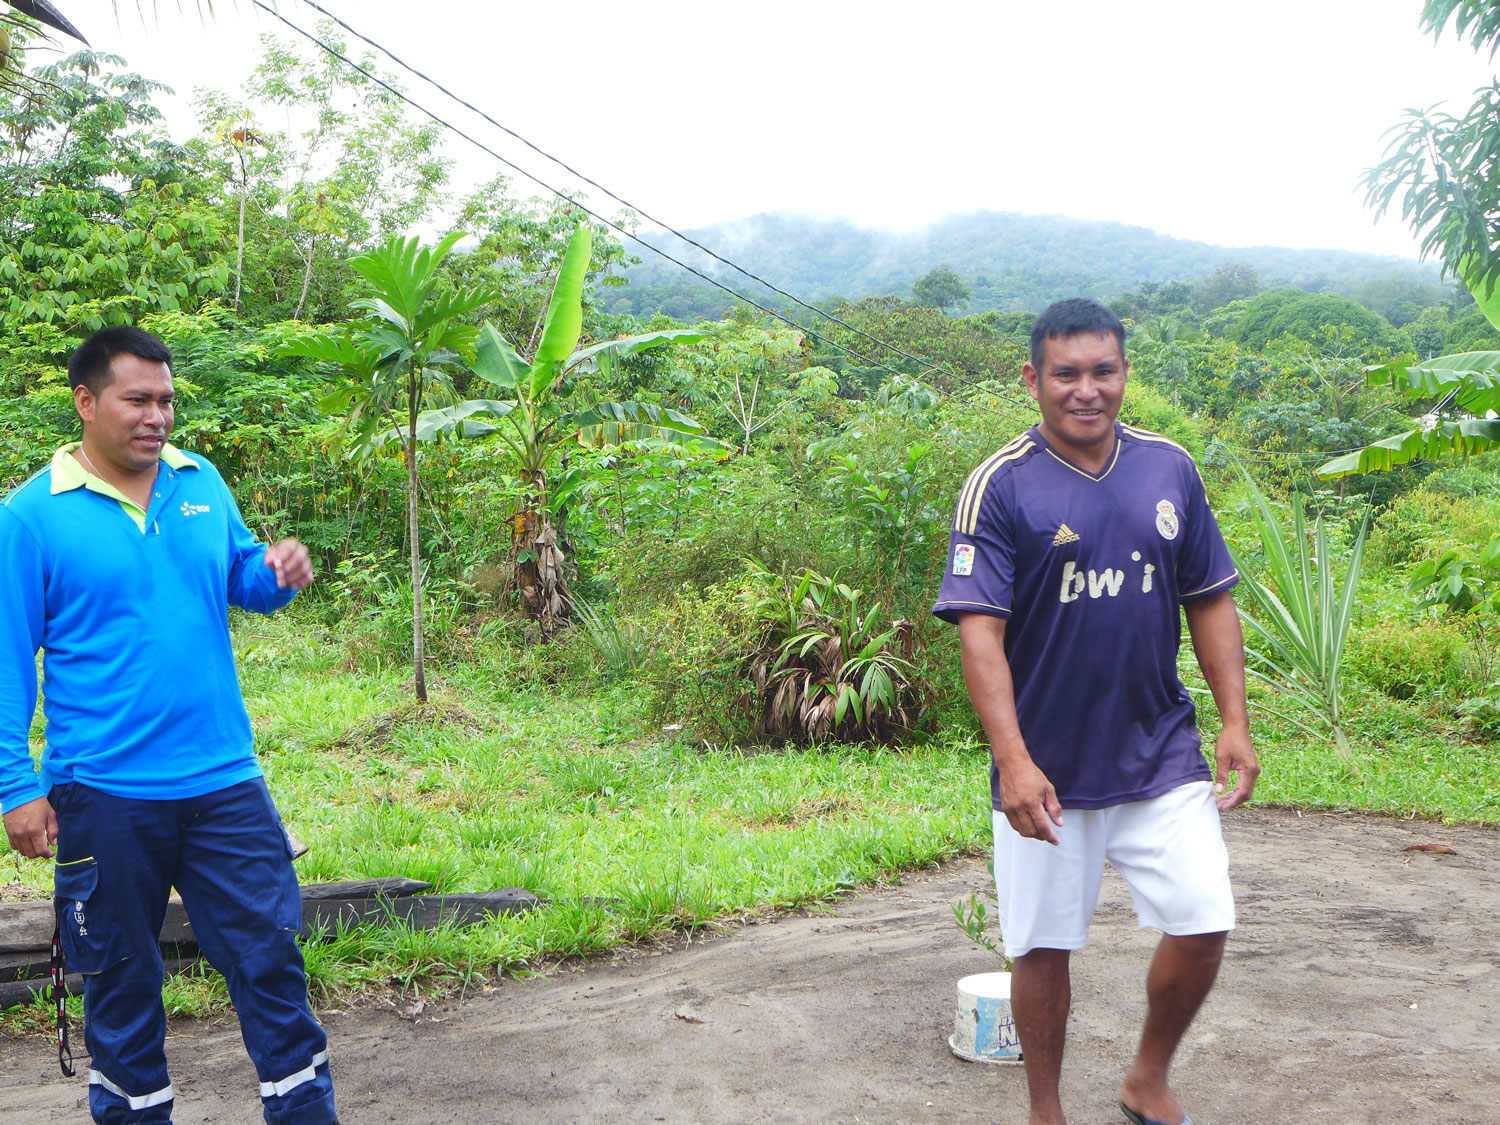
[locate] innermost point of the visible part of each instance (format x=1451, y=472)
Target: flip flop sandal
x=1141, y=1119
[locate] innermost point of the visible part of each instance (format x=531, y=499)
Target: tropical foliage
x=746, y=521
x=1440, y=166
x=534, y=427
x=1467, y=390
x=1300, y=620
x=405, y=352
x=827, y=666
x=1442, y=169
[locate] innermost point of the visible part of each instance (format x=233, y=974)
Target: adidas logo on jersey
x=1065, y=534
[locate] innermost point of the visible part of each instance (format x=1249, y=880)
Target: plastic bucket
x=983, y=1030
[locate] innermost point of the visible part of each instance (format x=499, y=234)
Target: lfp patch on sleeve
x=963, y=559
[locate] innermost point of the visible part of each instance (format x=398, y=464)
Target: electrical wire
x=1009, y=400
x=641, y=211
x=264, y=6
x=1272, y=456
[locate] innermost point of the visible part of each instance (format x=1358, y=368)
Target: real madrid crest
x=1166, y=519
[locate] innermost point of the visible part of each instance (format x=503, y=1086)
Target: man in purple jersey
x=1072, y=548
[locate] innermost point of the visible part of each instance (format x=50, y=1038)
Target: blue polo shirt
x=129, y=608
x=1089, y=570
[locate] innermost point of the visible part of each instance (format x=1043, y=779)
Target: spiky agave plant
x=1300, y=619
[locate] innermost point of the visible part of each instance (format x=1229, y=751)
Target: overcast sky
x=1237, y=124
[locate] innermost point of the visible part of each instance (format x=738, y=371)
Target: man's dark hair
x=1073, y=317
x=90, y=363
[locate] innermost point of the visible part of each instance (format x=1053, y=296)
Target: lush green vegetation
x=751, y=707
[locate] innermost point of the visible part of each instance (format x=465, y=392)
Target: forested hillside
x=1009, y=262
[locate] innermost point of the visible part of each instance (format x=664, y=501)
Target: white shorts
x=1169, y=850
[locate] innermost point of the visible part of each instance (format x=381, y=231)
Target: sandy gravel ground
x=1362, y=986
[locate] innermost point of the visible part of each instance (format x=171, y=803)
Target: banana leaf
x=564, y=313
x=614, y=423
x=1472, y=435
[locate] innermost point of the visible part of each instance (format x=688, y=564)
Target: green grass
x=631, y=834
x=626, y=833
x=1408, y=758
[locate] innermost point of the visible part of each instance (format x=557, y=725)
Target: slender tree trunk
x=418, y=652
x=312, y=251
x=239, y=251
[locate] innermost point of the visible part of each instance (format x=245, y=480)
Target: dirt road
x=1362, y=986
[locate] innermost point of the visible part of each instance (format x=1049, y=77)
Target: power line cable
x=1270, y=456
x=1005, y=404
x=614, y=225
x=623, y=202
x=999, y=395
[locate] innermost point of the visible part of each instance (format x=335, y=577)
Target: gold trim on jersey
x=1085, y=472
x=1211, y=586
x=1147, y=435
x=967, y=517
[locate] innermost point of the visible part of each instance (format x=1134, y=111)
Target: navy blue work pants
x=228, y=857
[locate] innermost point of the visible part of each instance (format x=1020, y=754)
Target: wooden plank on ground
x=389, y=886
x=21, y=992
x=26, y=926
x=326, y=915
x=423, y=912
x=24, y=966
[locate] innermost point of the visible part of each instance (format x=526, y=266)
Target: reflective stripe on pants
x=286, y=1085
x=144, y=1101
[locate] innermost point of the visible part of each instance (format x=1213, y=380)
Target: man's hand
x=1234, y=754
x=1029, y=802
x=1219, y=645
x=32, y=828
x=292, y=564
x=1027, y=798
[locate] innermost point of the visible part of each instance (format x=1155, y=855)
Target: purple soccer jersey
x=1089, y=571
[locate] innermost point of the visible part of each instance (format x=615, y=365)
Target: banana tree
x=1468, y=382
x=530, y=419
x=400, y=356
x=1464, y=383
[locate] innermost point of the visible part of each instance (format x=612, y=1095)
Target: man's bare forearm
x=987, y=676
x=1026, y=796
x=1219, y=645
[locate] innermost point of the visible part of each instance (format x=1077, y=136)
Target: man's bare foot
x=1153, y=1101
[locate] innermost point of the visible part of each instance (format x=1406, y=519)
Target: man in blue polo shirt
x=1072, y=548
x=121, y=559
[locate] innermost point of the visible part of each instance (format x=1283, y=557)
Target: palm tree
x=44, y=13
x=404, y=352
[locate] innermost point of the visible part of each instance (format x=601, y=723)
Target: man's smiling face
x=1079, y=389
